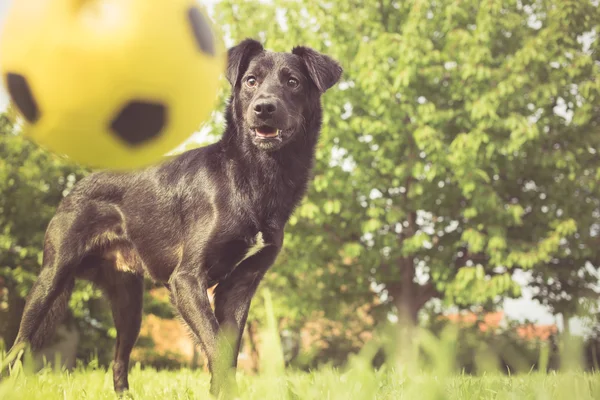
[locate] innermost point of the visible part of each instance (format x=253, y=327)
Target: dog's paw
x=125, y=395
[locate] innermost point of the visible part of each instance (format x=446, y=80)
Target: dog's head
x=274, y=92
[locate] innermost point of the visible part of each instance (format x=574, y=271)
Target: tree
x=437, y=147
x=32, y=182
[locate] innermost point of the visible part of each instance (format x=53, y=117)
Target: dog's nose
x=264, y=108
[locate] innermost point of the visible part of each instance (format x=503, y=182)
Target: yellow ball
x=111, y=83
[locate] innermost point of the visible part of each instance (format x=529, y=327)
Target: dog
x=215, y=215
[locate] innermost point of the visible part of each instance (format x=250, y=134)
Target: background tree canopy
x=32, y=182
x=460, y=147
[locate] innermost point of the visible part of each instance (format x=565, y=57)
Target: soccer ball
x=111, y=83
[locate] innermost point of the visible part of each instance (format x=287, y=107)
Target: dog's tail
x=46, y=329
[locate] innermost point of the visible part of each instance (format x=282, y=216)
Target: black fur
x=190, y=221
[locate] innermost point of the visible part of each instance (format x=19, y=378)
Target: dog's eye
x=293, y=82
x=251, y=81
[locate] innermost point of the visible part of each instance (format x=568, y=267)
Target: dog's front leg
x=234, y=295
x=189, y=293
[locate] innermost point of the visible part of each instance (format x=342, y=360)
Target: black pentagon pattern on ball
x=21, y=95
x=139, y=121
x=202, y=31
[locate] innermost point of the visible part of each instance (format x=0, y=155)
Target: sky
x=519, y=309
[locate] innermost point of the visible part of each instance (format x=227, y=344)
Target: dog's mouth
x=267, y=132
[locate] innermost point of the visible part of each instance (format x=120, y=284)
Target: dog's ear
x=323, y=70
x=238, y=59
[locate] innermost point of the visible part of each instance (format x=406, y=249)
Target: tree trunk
x=252, y=341
x=195, y=358
x=405, y=297
x=11, y=317
x=566, y=317
x=408, y=296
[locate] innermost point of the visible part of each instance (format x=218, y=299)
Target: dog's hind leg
x=125, y=292
x=47, y=300
x=69, y=239
x=45, y=307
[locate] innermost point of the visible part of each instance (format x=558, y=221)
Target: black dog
x=214, y=215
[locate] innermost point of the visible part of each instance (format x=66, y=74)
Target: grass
x=404, y=378
x=324, y=384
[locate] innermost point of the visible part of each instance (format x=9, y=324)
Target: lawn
x=411, y=380
x=355, y=383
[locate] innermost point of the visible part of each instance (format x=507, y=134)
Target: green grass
x=356, y=383
x=404, y=377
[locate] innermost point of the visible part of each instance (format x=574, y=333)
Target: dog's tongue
x=266, y=131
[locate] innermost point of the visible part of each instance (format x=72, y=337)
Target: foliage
x=460, y=147
x=509, y=351
x=32, y=182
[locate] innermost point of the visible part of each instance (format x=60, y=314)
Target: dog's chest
x=257, y=243
x=224, y=258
